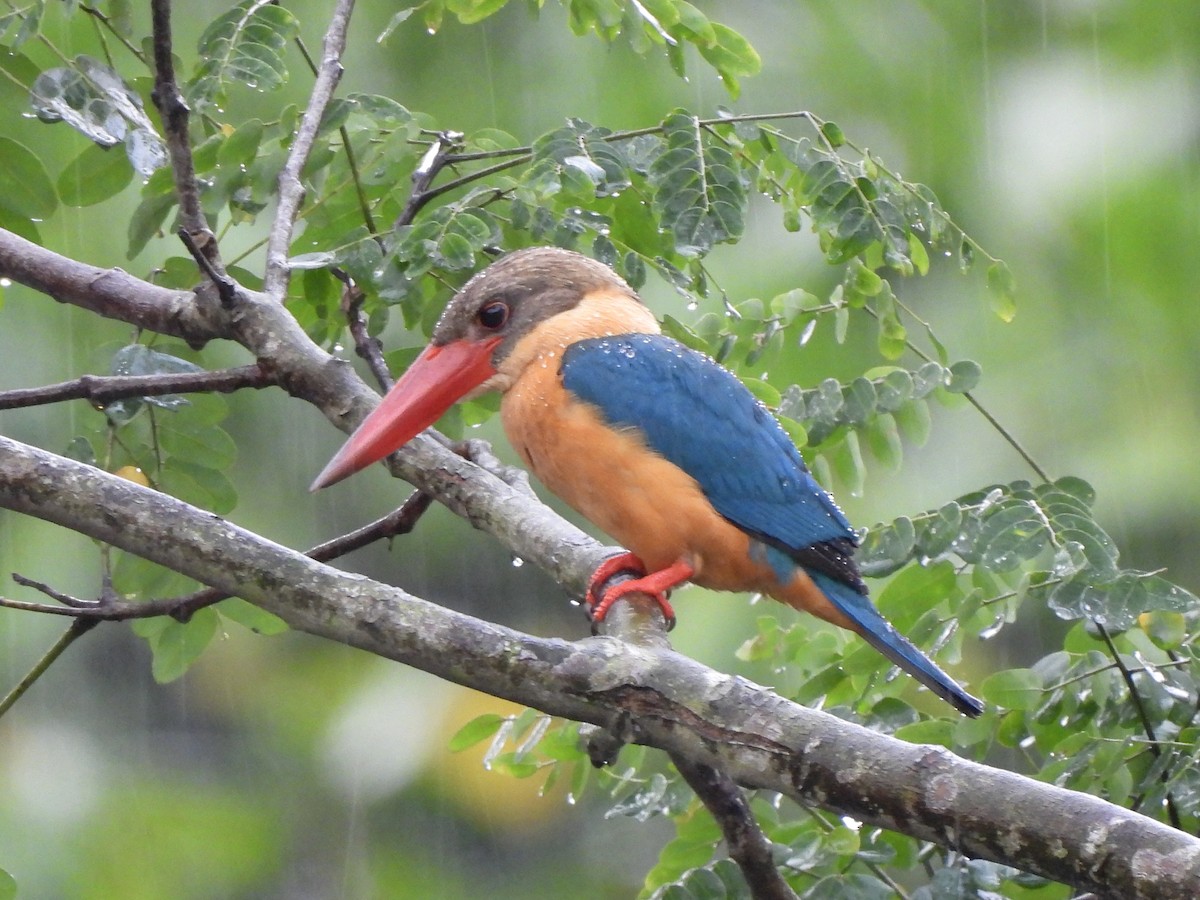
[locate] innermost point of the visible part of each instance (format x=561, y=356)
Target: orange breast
x=649, y=505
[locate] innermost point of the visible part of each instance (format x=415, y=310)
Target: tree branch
x=672, y=702
x=748, y=846
x=103, y=389
x=75, y=630
x=174, y=111
x=291, y=190
x=400, y=521
x=368, y=348
x=112, y=293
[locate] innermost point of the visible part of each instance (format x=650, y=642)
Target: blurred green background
x=1062, y=134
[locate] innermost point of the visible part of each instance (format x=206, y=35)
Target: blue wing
x=700, y=417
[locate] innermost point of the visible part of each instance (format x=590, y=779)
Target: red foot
x=614, y=565
x=656, y=585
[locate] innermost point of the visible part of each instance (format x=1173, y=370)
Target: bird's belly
x=609, y=475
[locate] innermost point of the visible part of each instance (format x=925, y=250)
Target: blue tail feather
x=880, y=634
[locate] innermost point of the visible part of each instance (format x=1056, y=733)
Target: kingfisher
x=655, y=443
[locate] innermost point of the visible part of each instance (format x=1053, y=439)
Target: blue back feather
x=700, y=417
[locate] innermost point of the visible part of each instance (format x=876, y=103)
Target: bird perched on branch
x=655, y=443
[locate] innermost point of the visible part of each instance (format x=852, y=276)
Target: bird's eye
x=493, y=315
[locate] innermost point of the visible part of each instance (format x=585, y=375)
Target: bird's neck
x=599, y=314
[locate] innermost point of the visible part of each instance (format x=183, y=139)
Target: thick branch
x=109, y=609
x=756, y=737
x=291, y=190
x=112, y=293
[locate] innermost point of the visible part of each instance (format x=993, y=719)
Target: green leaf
x=204, y=445
x=93, y=176
x=176, y=645
x=395, y=22
x=243, y=46
x=8, y=886
x=848, y=463
x=1166, y=629
x=764, y=391
x=731, y=56
x=240, y=148
x=699, y=194
x=1013, y=689
x=147, y=221
x=200, y=485
x=928, y=731
x=1118, y=601
x=478, y=730
x=93, y=99
x=25, y=188
x=471, y=11
x=251, y=617
x=964, y=376
x=694, y=25
x=1004, y=289
x=915, y=591
x=833, y=134
x=583, y=148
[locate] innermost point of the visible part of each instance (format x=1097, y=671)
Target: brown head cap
x=518, y=291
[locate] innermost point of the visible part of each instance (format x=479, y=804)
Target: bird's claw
x=601, y=597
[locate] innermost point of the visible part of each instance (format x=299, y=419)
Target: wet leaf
x=25, y=187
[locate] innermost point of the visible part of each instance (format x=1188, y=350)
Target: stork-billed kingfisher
x=655, y=443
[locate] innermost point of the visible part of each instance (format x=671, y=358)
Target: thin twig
x=364, y=204
x=100, y=16
x=1147, y=726
x=436, y=158
x=747, y=845
x=368, y=348
x=77, y=629
x=418, y=200
x=291, y=189
x=991, y=420
x=103, y=389
x=65, y=599
x=1008, y=436
x=174, y=111
x=227, y=288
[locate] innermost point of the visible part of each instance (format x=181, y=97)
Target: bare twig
x=419, y=198
x=291, y=189
x=174, y=111
x=1135, y=697
x=368, y=348
x=65, y=599
x=436, y=158
x=364, y=204
x=227, y=288
x=747, y=845
x=103, y=389
x=111, y=28
x=77, y=629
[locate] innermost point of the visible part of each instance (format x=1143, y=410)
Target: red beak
x=436, y=379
